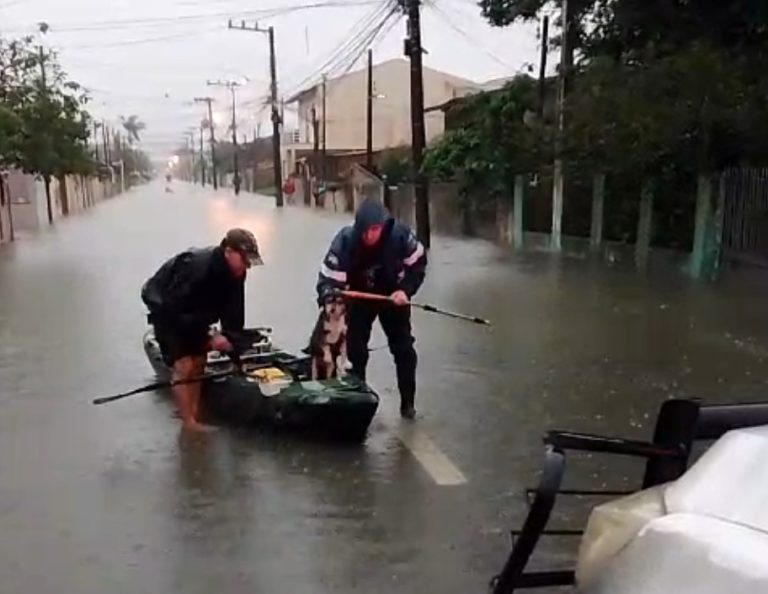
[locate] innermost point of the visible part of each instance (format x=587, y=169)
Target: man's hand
x=220, y=343
x=399, y=298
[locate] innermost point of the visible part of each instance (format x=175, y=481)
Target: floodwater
x=113, y=499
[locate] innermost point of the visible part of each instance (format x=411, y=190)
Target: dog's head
x=335, y=307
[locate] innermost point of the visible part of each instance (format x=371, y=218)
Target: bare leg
x=188, y=395
x=196, y=389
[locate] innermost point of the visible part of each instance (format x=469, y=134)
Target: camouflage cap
x=244, y=242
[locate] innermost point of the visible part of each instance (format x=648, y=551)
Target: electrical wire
x=357, y=31
x=337, y=53
x=474, y=42
x=189, y=18
x=134, y=42
x=365, y=43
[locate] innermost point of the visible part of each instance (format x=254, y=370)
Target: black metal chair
x=680, y=423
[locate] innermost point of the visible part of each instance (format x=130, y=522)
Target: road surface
x=112, y=499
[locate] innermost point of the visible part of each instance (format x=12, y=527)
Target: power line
x=133, y=42
x=365, y=43
x=355, y=33
x=474, y=42
x=162, y=21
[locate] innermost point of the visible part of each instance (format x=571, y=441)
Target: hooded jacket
x=195, y=289
x=397, y=262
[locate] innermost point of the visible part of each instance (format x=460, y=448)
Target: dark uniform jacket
x=397, y=262
x=195, y=289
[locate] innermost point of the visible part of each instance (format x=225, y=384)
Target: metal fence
x=745, y=222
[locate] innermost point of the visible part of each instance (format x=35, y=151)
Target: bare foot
x=196, y=427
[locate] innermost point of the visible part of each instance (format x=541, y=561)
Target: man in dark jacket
x=189, y=293
x=378, y=255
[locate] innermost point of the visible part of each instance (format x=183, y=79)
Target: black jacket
x=195, y=289
x=399, y=261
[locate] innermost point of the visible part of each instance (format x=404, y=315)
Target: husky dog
x=328, y=343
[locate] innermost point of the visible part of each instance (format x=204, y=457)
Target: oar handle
x=166, y=384
x=430, y=308
x=365, y=296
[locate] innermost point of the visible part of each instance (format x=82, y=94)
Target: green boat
x=276, y=390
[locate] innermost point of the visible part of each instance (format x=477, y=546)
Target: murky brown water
x=109, y=499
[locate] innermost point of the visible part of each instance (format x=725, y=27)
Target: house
x=346, y=104
x=455, y=116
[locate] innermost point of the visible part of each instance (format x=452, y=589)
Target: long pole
x=325, y=128
x=235, y=156
x=543, y=65
x=104, y=142
x=11, y=233
x=276, y=121
x=369, y=115
x=419, y=141
x=96, y=140
x=212, y=137
x=192, y=168
x=558, y=182
x=202, y=157
x=46, y=176
x=315, y=143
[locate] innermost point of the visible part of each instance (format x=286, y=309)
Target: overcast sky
x=152, y=57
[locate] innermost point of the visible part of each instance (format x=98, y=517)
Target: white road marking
x=435, y=462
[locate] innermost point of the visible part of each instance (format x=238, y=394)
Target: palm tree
x=133, y=126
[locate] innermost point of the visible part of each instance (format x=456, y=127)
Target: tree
x=497, y=138
x=43, y=122
x=502, y=13
x=633, y=30
x=55, y=133
x=18, y=64
x=133, y=126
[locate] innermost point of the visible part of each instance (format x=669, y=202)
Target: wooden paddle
x=430, y=308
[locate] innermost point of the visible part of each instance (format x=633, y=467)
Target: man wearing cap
x=378, y=255
x=189, y=293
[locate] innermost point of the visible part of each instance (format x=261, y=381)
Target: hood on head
x=370, y=212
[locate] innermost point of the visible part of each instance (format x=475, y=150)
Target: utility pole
x=315, y=143
x=277, y=162
x=414, y=50
x=543, y=65
x=44, y=91
x=369, y=115
x=108, y=134
x=325, y=128
x=42, y=68
x=96, y=139
x=232, y=86
x=191, y=147
x=104, y=141
x=209, y=100
x=202, y=157
x=558, y=183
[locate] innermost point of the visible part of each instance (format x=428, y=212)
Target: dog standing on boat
x=328, y=343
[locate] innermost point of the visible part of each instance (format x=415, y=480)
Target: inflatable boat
x=275, y=389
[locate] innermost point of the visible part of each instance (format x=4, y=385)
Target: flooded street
x=111, y=499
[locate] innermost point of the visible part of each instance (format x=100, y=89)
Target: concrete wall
x=346, y=105
x=28, y=203
x=448, y=214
